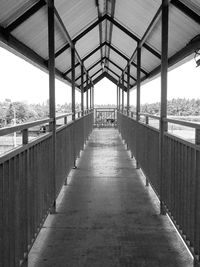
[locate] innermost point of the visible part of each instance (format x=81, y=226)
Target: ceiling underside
x=103, y=31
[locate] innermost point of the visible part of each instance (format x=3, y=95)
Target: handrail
x=23, y=126
x=184, y=123
x=26, y=125
x=150, y=116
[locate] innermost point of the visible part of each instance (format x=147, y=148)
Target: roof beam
x=100, y=27
x=186, y=10
x=183, y=53
x=96, y=80
x=113, y=48
x=112, y=62
x=78, y=37
x=31, y=11
x=112, y=71
x=145, y=36
x=86, y=57
x=125, y=57
x=10, y=41
x=111, y=25
x=91, y=67
x=134, y=37
x=68, y=37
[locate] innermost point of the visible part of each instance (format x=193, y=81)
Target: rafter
x=113, y=2
x=27, y=52
x=179, y=56
x=30, y=12
x=133, y=36
x=79, y=36
x=186, y=10
x=91, y=67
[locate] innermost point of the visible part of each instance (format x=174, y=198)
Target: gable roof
x=103, y=31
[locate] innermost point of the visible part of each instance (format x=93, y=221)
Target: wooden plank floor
x=107, y=217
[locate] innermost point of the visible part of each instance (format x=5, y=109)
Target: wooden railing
x=26, y=182
x=105, y=117
x=181, y=181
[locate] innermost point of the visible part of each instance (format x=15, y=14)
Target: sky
x=21, y=81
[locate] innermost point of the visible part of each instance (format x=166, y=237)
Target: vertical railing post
x=90, y=95
x=163, y=112
x=52, y=126
x=93, y=96
x=82, y=90
x=117, y=97
x=138, y=84
x=73, y=81
x=73, y=103
x=123, y=94
x=138, y=102
x=128, y=89
x=87, y=93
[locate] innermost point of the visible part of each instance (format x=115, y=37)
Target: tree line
x=175, y=107
x=23, y=112
x=20, y=112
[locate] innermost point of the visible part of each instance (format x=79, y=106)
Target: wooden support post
x=163, y=112
x=82, y=90
x=123, y=94
x=93, y=96
x=90, y=96
x=117, y=97
x=73, y=103
x=52, y=111
x=73, y=82
x=138, y=83
x=138, y=102
x=87, y=93
x=128, y=89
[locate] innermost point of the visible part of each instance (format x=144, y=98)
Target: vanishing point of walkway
x=107, y=217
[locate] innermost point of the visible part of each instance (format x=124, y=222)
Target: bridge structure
x=81, y=42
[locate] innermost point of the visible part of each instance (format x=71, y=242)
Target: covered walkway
x=106, y=216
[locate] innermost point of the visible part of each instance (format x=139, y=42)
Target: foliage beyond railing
x=181, y=181
x=26, y=182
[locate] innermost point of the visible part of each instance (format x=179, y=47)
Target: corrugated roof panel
x=108, y=30
x=113, y=75
x=115, y=69
x=103, y=23
x=123, y=41
x=76, y=14
x=34, y=33
x=11, y=10
x=136, y=14
x=148, y=60
x=95, y=69
x=181, y=30
x=91, y=60
x=154, y=39
x=77, y=72
x=118, y=59
x=133, y=72
x=97, y=75
x=63, y=61
x=192, y=4
x=89, y=42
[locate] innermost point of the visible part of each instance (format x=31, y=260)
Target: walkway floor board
x=107, y=217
